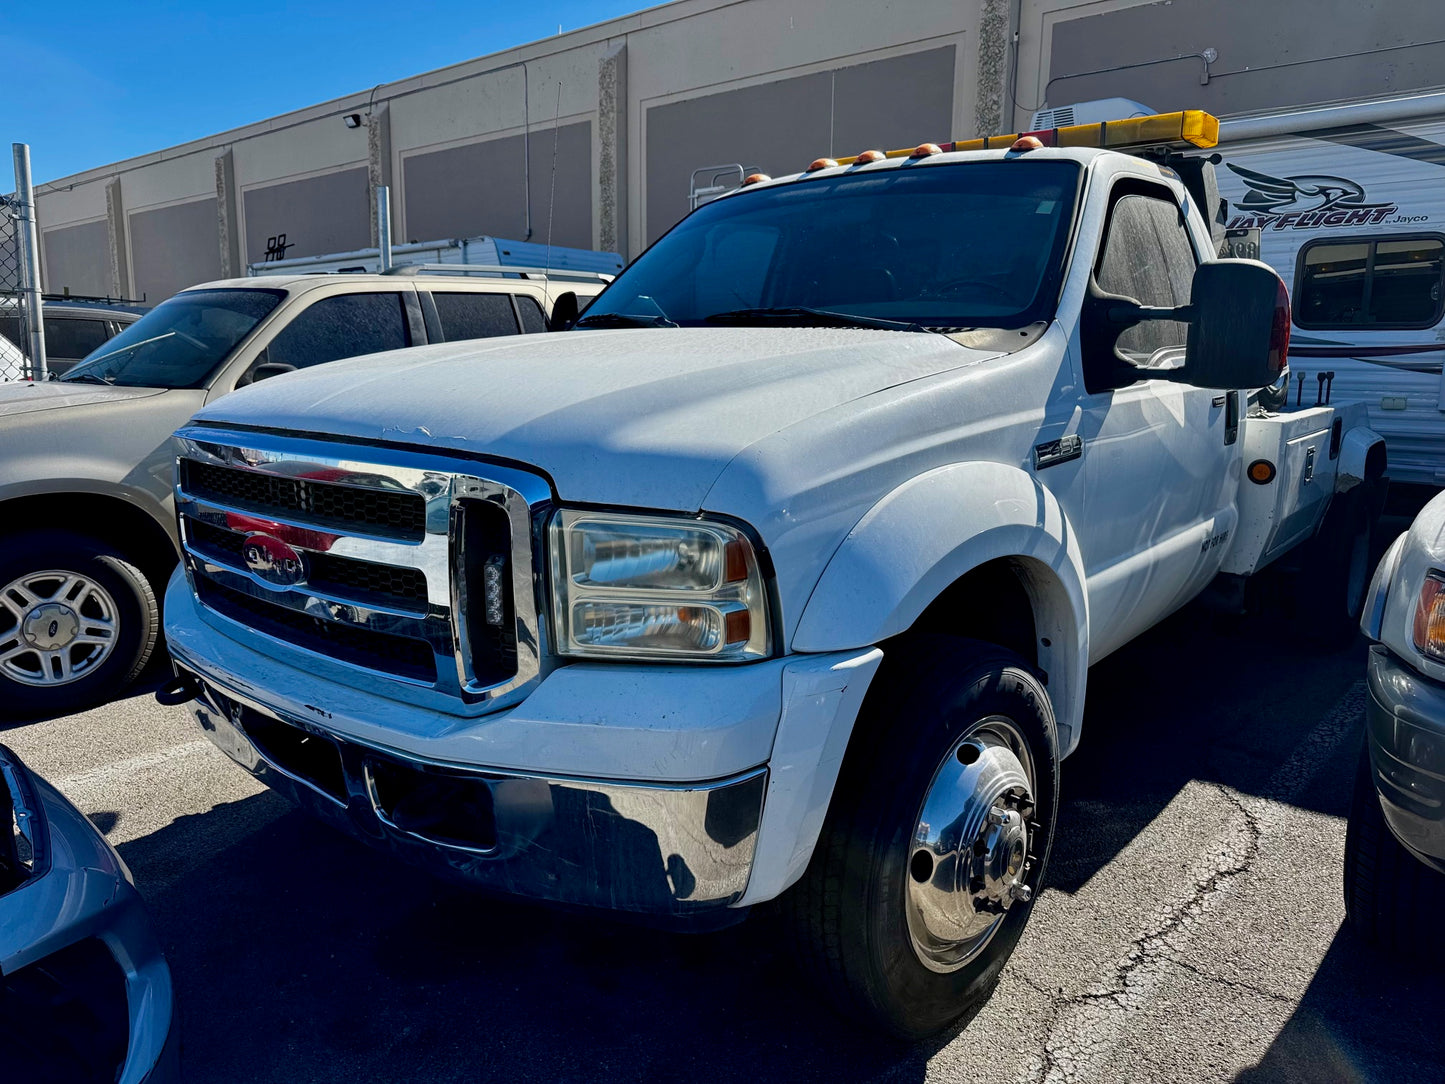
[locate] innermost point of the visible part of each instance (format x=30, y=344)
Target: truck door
x=1157, y=453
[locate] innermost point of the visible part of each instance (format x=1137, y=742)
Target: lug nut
x=1021, y=892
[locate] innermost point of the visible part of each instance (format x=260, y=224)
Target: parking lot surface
x=1190, y=930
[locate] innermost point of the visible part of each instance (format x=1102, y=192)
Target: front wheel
x=77, y=623
x=936, y=842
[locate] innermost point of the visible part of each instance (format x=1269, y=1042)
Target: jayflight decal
x=1304, y=202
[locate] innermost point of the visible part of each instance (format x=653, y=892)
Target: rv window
x=1376, y=283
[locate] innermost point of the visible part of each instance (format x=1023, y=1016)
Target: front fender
x=924, y=535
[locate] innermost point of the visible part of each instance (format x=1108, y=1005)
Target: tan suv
x=87, y=532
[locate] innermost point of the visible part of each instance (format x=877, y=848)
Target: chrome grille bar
x=287, y=561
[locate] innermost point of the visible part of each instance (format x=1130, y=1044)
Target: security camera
x=353, y=120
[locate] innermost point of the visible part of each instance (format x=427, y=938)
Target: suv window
x=474, y=316
x=533, y=319
x=70, y=337
x=342, y=327
x=1377, y=283
x=1148, y=256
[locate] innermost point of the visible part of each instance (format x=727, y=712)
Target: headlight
x=1429, y=627
x=651, y=587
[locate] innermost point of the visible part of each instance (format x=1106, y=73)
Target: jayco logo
x=1308, y=201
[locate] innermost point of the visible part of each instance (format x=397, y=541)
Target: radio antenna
x=551, y=203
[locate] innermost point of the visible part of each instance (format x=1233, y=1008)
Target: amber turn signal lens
x=821, y=163
x=1027, y=143
x=1261, y=472
x=754, y=178
x=1430, y=617
x=923, y=150
x=869, y=156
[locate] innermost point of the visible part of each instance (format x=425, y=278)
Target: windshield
x=948, y=246
x=180, y=342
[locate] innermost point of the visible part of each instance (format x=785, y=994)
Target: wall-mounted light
x=353, y=120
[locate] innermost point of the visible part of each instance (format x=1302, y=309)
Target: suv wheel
x=936, y=841
x=77, y=622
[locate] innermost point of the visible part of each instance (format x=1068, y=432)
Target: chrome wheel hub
x=970, y=852
x=55, y=627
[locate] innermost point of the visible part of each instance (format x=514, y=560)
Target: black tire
x=1392, y=899
x=1334, y=574
x=847, y=914
x=137, y=620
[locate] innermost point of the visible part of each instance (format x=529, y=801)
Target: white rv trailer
x=1347, y=202
x=483, y=250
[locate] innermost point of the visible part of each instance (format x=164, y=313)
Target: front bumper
x=672, y=792
x=1405, y=722
x=80, y=898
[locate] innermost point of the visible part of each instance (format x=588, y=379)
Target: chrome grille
x=322, y=502
x=357, y=561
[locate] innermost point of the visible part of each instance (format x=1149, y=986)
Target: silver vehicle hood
x=23, y=398
x=646, y=418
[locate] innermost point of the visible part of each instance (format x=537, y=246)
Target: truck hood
x=23, y=398
x=646, y=418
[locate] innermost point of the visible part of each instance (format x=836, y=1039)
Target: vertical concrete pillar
x=995, y=39
x=115, y=229
x=228, y=230
x=612, y=158
x=378, y=161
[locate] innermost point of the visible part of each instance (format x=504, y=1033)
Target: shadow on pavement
x=1363, y=1017
x=299, y=954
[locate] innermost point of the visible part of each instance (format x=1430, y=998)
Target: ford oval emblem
x=273, y=560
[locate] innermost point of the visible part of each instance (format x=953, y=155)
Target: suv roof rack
x=498, y=271
x=94, y=298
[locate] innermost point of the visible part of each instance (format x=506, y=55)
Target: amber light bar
x=1192, y=127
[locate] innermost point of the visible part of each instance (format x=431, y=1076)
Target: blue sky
x=87, y=83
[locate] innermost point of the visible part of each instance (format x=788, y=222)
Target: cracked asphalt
x=1190, y=929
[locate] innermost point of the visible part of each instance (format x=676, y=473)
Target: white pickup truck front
x=781, y=576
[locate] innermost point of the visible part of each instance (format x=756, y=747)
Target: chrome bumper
x=1405, y=721
x=672, y=851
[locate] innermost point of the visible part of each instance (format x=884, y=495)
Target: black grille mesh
x=326, y=504
x=400, y=655
x=364, y=581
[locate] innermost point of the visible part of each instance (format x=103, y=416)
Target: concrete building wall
x=69, y=258
x=640, y=102
x=172, y=247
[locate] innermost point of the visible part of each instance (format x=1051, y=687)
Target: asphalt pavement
x=1190, y=929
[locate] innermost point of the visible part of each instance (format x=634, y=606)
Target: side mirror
x=564, y=311
x=1238, y=336
x=270, y=368
x=1239, y=329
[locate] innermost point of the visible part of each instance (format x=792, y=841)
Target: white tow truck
x=779, y=578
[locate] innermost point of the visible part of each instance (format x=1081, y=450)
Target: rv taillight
x=1279, y=333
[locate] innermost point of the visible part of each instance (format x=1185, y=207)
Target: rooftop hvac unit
x=1101, y=109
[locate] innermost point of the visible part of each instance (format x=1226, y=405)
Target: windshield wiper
x=86, y=378
x=620, y=319
x=806, y=317
x=89, y=362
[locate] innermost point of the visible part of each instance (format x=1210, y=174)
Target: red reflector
x=739, y=627
x=869, y=156
x=821, y=163
x=1279, y=333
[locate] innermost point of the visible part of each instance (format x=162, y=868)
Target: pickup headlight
x=654, y=587
x=1429, y=623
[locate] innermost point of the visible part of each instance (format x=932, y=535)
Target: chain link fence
x=17, y=295
x=13, y=328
